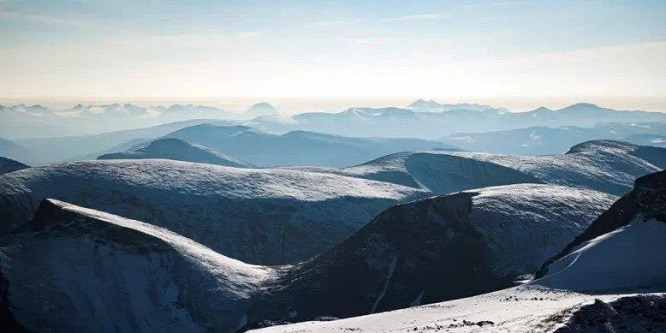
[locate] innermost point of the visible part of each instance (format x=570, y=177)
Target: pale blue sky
x=214, y=49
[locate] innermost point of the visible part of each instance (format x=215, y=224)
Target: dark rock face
x=405, y=256
x=9, y=165
x=648, y=198
x=642, y=313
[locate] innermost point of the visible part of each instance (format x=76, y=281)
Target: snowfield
x=630, y=258
x=260, y=216
x=518, y=309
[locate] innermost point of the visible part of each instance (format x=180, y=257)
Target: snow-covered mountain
x=104, y=269
x=296, y=148
x=435, y=171
x=603, y=165
x=433, y=106
x=612, y=278
x=436, y=249
x=258, y=216
x=81, y=270
x=608, y=166
x=546, y=140
x=260, y=110
x=176, y=149
x=144, y=278
x=9, y=165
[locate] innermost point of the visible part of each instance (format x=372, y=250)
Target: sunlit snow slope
x=258, y=216
x=608, y=166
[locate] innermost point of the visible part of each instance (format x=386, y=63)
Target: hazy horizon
x=295, y=105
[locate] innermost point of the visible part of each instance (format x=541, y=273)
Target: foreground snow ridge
x=194, y=251
x=117, y=274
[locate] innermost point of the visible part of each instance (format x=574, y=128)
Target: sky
x=609, y=52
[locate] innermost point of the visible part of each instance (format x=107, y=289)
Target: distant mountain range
x=86, y=147
x=36, y=121
x=430, y=120
x=424, y=119
x=554, y=140
x=297, y=147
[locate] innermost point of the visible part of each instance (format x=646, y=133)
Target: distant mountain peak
x=424, y=104
x=261, y=109
x=582, y=106
x=542, y=109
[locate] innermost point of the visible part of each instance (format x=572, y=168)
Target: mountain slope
x=9, y=165
x=15, y=151
x=432, y=250
x=258, y=216
x=608, y=256
x=603, y=165
x=90, y=271
x=296, y=148
x=518, y=309
x=175, y=149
